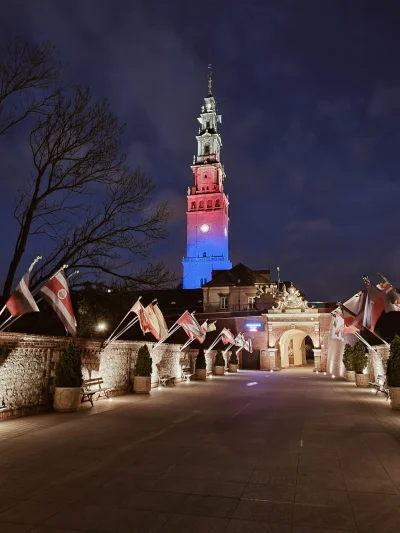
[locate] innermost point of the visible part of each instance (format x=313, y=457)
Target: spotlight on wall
x=101, y=326
x=159, y=387
x=333, y=376
x=324, y=373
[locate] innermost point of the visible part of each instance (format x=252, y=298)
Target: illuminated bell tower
x=207, y=208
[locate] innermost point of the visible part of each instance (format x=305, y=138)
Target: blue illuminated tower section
x=207, y=207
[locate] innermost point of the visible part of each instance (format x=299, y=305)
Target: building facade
x=207, y=203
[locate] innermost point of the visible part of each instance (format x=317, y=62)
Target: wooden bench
x=166, y=379
x=186, y=373
x=91, y=387
x=380, y=385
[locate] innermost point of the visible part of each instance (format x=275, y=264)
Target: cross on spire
x=209, y=76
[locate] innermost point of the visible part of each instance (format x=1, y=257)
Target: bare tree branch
x=94, y=212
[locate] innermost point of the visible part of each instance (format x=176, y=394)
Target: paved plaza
x=256, y=452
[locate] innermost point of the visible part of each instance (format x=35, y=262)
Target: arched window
x=206, y=149
x=201, y=282
x=205, y=176
x=204, y=254
x=208, y=124
x=217, y=203
x=209, y=204
x=208, y=188
x=193, y=205
x=203, y=188
x=201, y=205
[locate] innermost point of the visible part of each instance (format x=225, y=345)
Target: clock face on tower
x=204, y=228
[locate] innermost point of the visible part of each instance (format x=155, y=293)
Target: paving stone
x=247, y=526
x=220, y=488
x=267, y=492
x=264, y=511
x=195, y=524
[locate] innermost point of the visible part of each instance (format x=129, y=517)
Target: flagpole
x=367, y=283
x=373, y=332
x=118, y=335
x=214, y=343
x=227, y=350
x=2, y=311
x=365, y=342
x=4, y=325
x=109, y=338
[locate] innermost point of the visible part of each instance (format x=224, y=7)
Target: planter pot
x=362, y=380
x=350, y=375
x=394, y=395
x=219, y=370
x=141, y=384
x=232, y=368
x=201, y=374
x=66, y=399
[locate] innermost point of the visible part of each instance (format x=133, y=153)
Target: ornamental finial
x=209, y=76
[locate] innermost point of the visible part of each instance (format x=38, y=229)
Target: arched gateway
x=290, y=322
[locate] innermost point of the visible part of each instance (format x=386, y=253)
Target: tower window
x=251, y=300
x=209, y=204
x=208, y=124
x=204, y=254
x=206, y=149
x=217, y=203
x=205, y=176
x=193, y=205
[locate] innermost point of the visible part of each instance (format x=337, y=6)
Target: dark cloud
x=309, y=93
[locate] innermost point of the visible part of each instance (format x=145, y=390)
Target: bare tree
x=28, y=73
x=94, y=213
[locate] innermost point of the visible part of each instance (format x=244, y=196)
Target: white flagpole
x=118, y=335
x=110, y=337
x=227, y=350
x=171, y=330
x=365, y=342
x=186, y=344
x=214, y=343
x=2, y=311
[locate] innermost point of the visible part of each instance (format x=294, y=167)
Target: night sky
x=309, y=92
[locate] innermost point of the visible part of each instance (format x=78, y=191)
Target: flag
x=353, y=311
x=240, y=340
x=248, y=346
x=191, y=327
x=161, y=321
x=21, y=300
x=144, y=321
x=374, y=307
x=392, y=299
x=206, y=327
x=153, y=322
x=227, y=337
x=56, y=293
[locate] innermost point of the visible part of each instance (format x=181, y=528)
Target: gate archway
x=291, y=348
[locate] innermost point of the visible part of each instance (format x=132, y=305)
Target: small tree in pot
x=68, y=380
x=348, y=361
x=142, y=371
x=201, y=365
x=219, y=364
x=360, y=360
x=393, y=373
x=233, y=362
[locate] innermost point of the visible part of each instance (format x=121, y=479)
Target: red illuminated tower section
x=207, y=209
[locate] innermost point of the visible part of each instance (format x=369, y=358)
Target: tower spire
x=209, y=76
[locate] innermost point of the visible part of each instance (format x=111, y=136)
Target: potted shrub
x=348, y=362
x=393, y=373
x=360, y=360
x=219, y=364
x=142, y=371
x=201, y=365
x=233, y=362
x=68, y=380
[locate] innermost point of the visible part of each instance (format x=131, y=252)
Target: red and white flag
x=337, y=324
x=227, y=336
x=21, y=301
x=161, y=321
x=353, y=311
x=248, y=346
x=156, y=321
x=206, y=327
x=144, y=320
x=191, y=327
x=392, y=300
x=56, y=293
x=374, y=307
x=240, y=340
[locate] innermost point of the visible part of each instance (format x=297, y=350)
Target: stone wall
x=377, y=361
x=27, y=367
